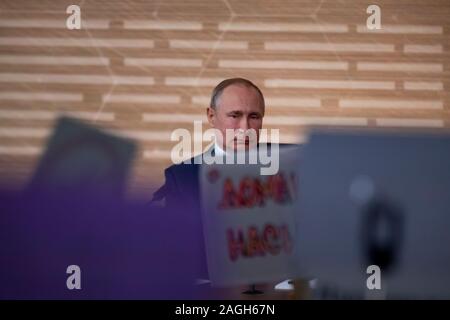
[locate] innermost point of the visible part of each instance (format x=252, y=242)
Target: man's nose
x=244, y=125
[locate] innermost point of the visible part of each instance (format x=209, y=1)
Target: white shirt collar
x=218, y=151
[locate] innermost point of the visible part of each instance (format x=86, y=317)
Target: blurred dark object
x=381, y=234
x=376, y=198
x=124, y=251
x=73, y=213
x=82, y=158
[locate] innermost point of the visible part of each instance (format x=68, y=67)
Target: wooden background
x=144, y=68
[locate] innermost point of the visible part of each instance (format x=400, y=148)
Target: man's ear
x=211, y=115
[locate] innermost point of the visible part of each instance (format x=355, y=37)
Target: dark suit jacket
x=181, y=187
x=181, y=194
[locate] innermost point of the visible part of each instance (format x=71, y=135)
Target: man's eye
x=234, y=116
x=255, y=116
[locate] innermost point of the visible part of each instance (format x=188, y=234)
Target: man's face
x=239, y=108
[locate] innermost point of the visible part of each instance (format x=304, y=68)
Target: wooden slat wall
x=136, y=64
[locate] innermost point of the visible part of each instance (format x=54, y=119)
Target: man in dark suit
x=236, y=104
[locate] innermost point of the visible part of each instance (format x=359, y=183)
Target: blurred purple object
x=124, y=250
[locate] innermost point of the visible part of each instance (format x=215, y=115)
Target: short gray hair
x=217, y=91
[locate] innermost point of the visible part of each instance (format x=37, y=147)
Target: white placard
x=248, y=221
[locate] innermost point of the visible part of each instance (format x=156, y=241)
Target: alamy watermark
x=74, y=280
x=73, y=22
x=238, y=146
x=373, y=22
